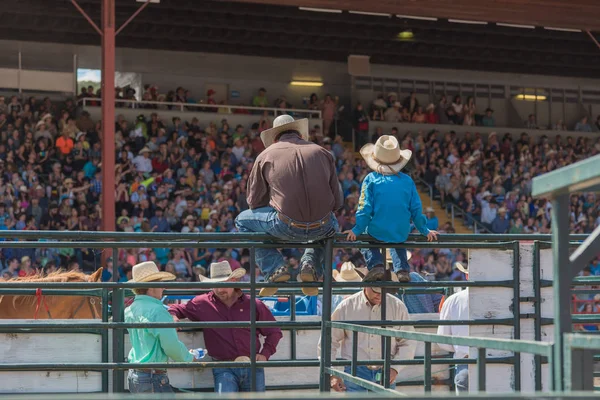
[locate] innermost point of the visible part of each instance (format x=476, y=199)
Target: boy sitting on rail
x=388, y=201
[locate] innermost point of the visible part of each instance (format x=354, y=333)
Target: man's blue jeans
x=366, y=374
x=229, y=380
x=461, y=378
x=266, y=220
x=373, y=257
x=144, y=382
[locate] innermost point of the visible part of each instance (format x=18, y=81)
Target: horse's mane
x=58, y=276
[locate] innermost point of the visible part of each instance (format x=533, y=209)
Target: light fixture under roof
x=416, y=17
x=468, y=22
x=307, y=83
x=515, y=25
x=406, y=35
x=549, y=28
x=374, y=14
x=530, y=97
x=322, y=10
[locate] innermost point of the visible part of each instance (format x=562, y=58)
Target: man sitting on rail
x=151, y=345
x=293, y=189
x=230, y=344
x=456, y=307
x=388, y=201
x=365, y=305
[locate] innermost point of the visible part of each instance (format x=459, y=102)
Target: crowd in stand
x=184, y=176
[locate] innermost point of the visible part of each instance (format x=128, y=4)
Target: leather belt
x=312, y=225
x=152, y=371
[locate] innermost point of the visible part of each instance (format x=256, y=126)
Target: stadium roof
x=282, y=29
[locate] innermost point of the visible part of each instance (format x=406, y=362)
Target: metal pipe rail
x=516, y=346
x=116, y=240
x=199, y=106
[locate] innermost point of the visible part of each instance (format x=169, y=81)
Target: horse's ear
x=96, y=276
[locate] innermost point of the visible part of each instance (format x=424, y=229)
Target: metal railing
x=516, y=346
x=201, y=107
x=123, y=240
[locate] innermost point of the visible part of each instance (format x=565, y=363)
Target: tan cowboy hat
x=380, y=274
x=347, y=273
x=385, y=156
x=459, y=266
x=145, y=150
x=430, y=210
x=284, y=123
x=148, y=272
x=221, y=272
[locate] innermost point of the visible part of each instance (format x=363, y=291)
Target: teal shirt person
x=153, y=345
x=386, y=206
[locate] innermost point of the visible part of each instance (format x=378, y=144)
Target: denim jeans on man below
x=373, y=257
x=366, y=374
x=145, y=382
x=228, y=380
x=266, y=220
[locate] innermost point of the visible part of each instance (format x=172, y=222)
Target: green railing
x=115, y=292
x=516, y=346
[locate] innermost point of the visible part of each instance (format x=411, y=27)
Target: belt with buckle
x=312, y=225
x=374, y=367
x=152, y=371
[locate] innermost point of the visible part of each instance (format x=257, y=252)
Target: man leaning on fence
x=231, y=344
x=365, y=305
x=151, y=345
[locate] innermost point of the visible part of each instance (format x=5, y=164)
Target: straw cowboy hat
x=459, y=266
x=148, y=272
x=284, y=123
x=385, y=156
x=349, y=273
x=221, y=272
x=145, y=150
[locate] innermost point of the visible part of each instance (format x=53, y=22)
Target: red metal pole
x=108, y=115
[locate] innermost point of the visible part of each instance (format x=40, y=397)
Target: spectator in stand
x=361, y=125
x=260, y=100
x=431, y=117
x=488, y=119
x=393, y=114
x=531, y=122
x=583, y=126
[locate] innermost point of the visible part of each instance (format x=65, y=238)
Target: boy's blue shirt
x=386, y=207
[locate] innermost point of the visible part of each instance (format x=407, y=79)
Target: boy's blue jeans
x=228, y=380
x=373, y=257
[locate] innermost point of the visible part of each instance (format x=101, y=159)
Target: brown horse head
x=49, y=306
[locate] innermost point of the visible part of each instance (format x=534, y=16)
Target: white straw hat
x=385, y=156
x=347, y=273
x=221, y=272
x=148, y=272
x=284, y=123
x=461, y=267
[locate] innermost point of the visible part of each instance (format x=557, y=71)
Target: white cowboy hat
x=461, y=268
x=284, y=123
x=148, y=272
x=429, y=210
x=347, y=273
x=385, y=156
x=145, y=150
x=221, y=272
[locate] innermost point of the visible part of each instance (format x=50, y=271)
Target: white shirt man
x=366, y=306
x=456, y=307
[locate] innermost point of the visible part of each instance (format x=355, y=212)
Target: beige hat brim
x=388, y=169
x=237, y=274
x=301, y=125
x=337, y=276
x=157, y=277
